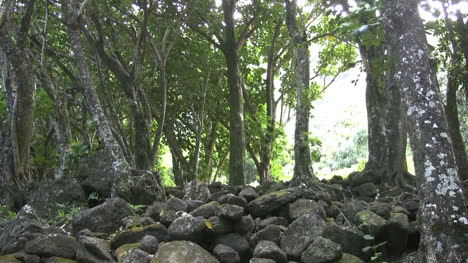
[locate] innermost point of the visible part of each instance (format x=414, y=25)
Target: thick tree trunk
x=303, y=172
x=443, y=213
x=120, y=167
x=236, y=108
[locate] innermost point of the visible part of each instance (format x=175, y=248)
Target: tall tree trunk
x=303, y=172
x=236, y=108
x=442, y=206
x=120, y=166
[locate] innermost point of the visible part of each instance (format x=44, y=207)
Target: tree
x=303, y=172
x=442, y=205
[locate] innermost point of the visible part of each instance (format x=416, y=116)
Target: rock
x=218, y=194
x=154, y=210
x=105, y=218
x=176, y=204
x=9, y=259
x=57, y=260
x=348, y=258
x=183, y=252
x=381, y=209
x=248, y=193
x=135, y=234
x=220, y=225
x=125, y=249
x=351, y=239
x=261, y=260
x=168, y=216
x=229, y=211
x=95, y=174
x=300, y=233
x=138, y=187
x=25, y=227
x=149, y=244
x=413, y=236
x=135, y=256
x=93, y=250
x=193, y=204
x=174, y=191
x=396, y=234
x=270, y=233
x=305, y=206
x=88, y=233
x=226, y=254
x=196, y=191
x=48, y=197
x=206, y=211
x=236, y=241
x=350, y=209
x=268, y=249
x=187, y=228
x=317, y=193
x=268, y=203
x=273, y=220
x=366, y=176
x=28, y=258
x=233, y=200
x=53, y=245
x=369, y=222
x=245, y=225
x=322, y=250
x=369, y=190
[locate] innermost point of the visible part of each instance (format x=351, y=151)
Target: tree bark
x=442, y=206
x=303, y=172
x=236, y=109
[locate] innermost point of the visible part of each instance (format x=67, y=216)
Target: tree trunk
x=236, y=109
x=120, y=167
x=303, y=172
x=442, y=204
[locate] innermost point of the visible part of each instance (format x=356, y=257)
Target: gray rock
x=229, y=211
x=261, y=260
x=53, y=245
x=187, y=228
x=370, y=223
x=305, y=206
x=367, y=190
x=233, y=200
x=149, y=244
x=351, y=239
x=168, y=216
x=183, y=252
x=350, y=209
x=27, y=258
x=193, y=204
x=270, y=233
x=95, y=174
x=245, y=225
x=300, y=233
x=93, y=250
x=381, y=209
x=268, y=249
x=25, y=227
x=105, y=218
x=273, y=220
x=396, y=234
x=248, y=193
x=154, y=210
x=226, y=254
x=236, y=241
x=195, y=190
x=206, y=211
x=135, y=234
x=322, y=250
x=176, y=204
x=135, y=256
x=268, y=203
x=348, y=258
x=138, y=187
x=220, y=225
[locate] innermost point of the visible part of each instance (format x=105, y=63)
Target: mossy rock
x=59, y=260
x=268, y=203
x=349, y=258
x=9, y=259
x=134, y=234
x=125, y=249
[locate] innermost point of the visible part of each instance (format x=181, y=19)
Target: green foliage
x=79, y=150
x=7, y=213
x=65, y=214
x=377, y=255
x=95, y=196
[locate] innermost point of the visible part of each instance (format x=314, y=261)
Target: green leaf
x=368, y=237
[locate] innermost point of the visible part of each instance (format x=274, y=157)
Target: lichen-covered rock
x=154, y=210
x=93, y=250
x=233, y=200
x=135, y=234
x=149, y=244
x=105, y=218
x=248, y=193
x=370, y=223
x=226, y=254
x=300, y=233
x=305, y=206
x=206, y=211
x=268, y=203
x=351, y=239
x=229, y=211
x=187, y=228
x=268, y=249
x=53, y=245
x=350, y=209
x=167, y=216
x=25, y=227
x=182, y=252
x=125, y=249
x=273, y=220
x=176, y=204
x=134, y=256
x=270, y=233
x=322, y=250
x=195, y=190
x=381, y=209
x=366, y=190
x=348, y=258
x=236, y=241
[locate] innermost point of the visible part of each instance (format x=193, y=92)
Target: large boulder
x=138, y=187
x=395, y=233
x=187, y=228
x=105, y=218
x=245, y=225
x=351, y=239
x=229, y=211
x=268, y=249
x=53, y=245
x=305, y=206
x=25, y=227
x=95, y=174
x=370, y=223
x=183, y=252
x=206, y=211
x=236, y=241
x=135, y=234
x=48, y=197
x=248, y=193
x=268, y=203
x=233, y=200
x=322, y=250
x=93, y=250
x=300, y=234
x=270, y=233
x=195, y=190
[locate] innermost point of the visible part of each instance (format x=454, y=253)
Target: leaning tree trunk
x=303, y=172
x=236, y=108
x=442, y=206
